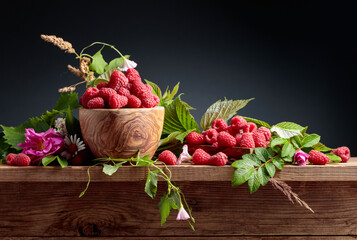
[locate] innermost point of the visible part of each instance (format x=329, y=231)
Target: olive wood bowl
x=120, y=133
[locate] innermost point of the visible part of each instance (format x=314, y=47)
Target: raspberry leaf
x=222, y=109
x=98, y=64
x=151, y=184
x=288, y=150
x=155, y=90
x=310, y=140
x=259, y=123
x=164, y=207
x=333, y=157
x=48, y=159
x=270, y=168
x=278, y=162
x=72, y=124
x=263, y=176
x=321, y=147
x=67, y=100
x=287, y=129
x=262, y=154
x=241, y=175
x=254, y=182
x=246, y=164
x=253, y=158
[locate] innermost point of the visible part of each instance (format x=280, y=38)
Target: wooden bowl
x=120, y=133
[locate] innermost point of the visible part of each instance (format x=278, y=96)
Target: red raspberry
x=117, y=101
x=149, y=101
x=215, y=144
x=266, y=133
x=80, y=158
x=220, y=125
x=132, y=75
x=238, y=123
x=232, y=153
x=343, y=152
x=10, y=158
x=211, y=136
x=106, y=93
x=247, y=141
x=200, y=157
x=219, y=159
x=194, y=138
x=148, y=87
x=156, y=99
x=250, y=127
x=259, y=139
x=22, y=160
x=123, y=91
x=89, y=94
x=137, y=88
x=231, y=131
x=168, y=157
x=238, y=138
x=96, y=102
x=133, y=102
x=102, y=85
x=318, y=158
x=129, y=86
x=224, y=139
x=117, y=80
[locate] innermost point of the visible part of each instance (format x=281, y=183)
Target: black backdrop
x=296, y=58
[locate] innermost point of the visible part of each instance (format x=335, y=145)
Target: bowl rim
x=119, y=109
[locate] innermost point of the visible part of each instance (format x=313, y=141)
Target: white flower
x=182, y=214
x=60, y=126
x=127, y=64
x=74, y=144
x=184, y=156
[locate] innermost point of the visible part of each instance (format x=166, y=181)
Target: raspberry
x=343, y=152
x=238, y=123
x=194, y=138
x=224, y=139
x=215, y=144
x=80, y=158
x=156, y=100
x=137, y=88
x=259, y=139
x=318, y=158
x=96, y=102
x=10, y=158
x=219, y=159
x=247, y=141
x=102, y=85
x=132, y=75
x=232, y=152
x=117, y=101
x=129, y=86
x=200, y=157
x=266, y=133
x=22, y=160
x=168, y=157
x=89, y=94
x=148, y=87
x=149, y=101
x=106, y=93
x=231, y=131
x=123, y=91
x=238, y=138
x=133, y=102
x=211, y=136
x=250, y=127
x=220, y=125
x=117, y=80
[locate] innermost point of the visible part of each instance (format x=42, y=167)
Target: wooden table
x=43, y=203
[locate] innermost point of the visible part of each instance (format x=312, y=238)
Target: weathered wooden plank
x=187, y=172
x=115, y=209
x=193, y=238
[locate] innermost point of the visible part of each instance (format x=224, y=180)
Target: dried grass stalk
x=59, y=42
x=84, y=64
x=286, y=189
x=76, y=72
x=66, y=89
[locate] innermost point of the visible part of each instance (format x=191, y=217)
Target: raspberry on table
x=224, y=139
x=22, y=159
x=10, y=158
x=117, y=80
x=211, y=136
x=117, y=101
x=250, y=127
x=219, y=159
x=247, y=140
x=195, y=138
x=96, y=102
x=259, y=139
x=106, y=93
x=133, y=102
x=201, y=157
x=132, y=75
x=220, y=125
x=168, y=157
x=238, y=123
x=343, y=152
x=266, y=133
x=318, y=158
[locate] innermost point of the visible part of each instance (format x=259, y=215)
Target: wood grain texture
x=192, y=238
x=123, y=209
x=120, y=133
x=186, y=172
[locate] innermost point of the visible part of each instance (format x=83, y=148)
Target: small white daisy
x=74, y=144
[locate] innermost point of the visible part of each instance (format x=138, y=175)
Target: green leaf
x=253, y=158
x=98, y=64
x=246, y=164
x=278, y=141
x=14, y=135
x=259, y=123
x=263, y=176
x=241, y=175
x=151, y=184
x=333, y=157
x=222, y=109
x=175, y=200
x=110, y=169
x=296, y=141
x=67, y=100
x=164, y=207
x=321, y=147
x=278, y=162
x=310, y=140
x=288, y=150
x=105, y=77
x=270, y=168
x=287, y=129
x=287, y=159
x=270, y=152
x=72, y=124
x=50, y=117
x=155, y=89
x=62, y=162
x=115, y=63
x=48, y=159
x=253, y=182
x=262, y=154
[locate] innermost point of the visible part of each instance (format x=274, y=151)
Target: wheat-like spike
x=66, y=89
x=59, y=42
x=76, y=72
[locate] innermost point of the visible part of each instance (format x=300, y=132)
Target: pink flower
x=301, y=158
x=182, y=214
x=40, y=145
x=184, y=156
x=127, y=64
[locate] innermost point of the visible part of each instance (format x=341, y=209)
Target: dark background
x=296, y=58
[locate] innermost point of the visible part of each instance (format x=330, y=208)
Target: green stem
x=104, y=44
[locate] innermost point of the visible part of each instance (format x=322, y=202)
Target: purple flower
x=182, y=214
x=127, y=64
x=40, y=145
x=184, y=156
x=301, y=158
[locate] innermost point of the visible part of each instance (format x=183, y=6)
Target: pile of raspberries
x=122, y=90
